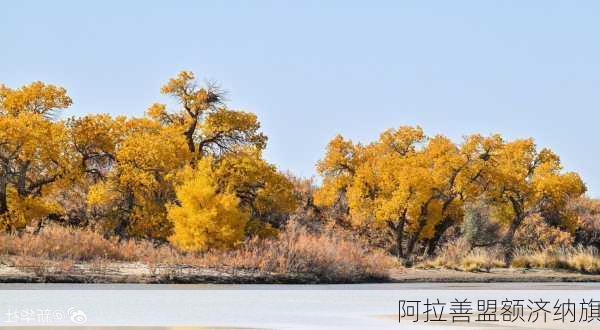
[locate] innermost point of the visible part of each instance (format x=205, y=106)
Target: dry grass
x=330, y=257
x=584, y=260
x=458, y=256
x=77, y=245
x=481, y=260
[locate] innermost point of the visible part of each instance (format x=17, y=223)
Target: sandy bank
x=142, y=273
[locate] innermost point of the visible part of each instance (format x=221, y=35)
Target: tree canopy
x=416, y=186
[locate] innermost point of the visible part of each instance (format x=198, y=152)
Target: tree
x=35, y=98
x=404, y=181
x=462, y=168
x=265, y=193
x=389, y=185
x=209, y=127
x=206, y=216
x=378, y=181
x=136, y=162
x=524, y=182
x=220, y=200
x=337, y=169
x=95, y=139
x=133, y=196
x=34, y=153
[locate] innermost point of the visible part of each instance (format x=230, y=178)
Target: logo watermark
x=45, y=316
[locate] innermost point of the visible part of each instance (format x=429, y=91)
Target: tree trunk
x=122, y=226
x=440, y=229
x=413, y=240
x=398, y=232
x=3, y=197
x=507, y=241
x=410, y=247
x=422, y=220
x=189, y=135
x=400, y=238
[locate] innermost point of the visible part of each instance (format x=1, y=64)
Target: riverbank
x=140, y=273
x=413, y=275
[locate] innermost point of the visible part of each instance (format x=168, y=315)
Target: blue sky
x=311, y=70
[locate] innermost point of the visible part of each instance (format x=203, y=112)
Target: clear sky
x=311, y=70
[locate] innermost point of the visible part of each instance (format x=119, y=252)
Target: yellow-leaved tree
x=219, y=202
x=34, y=152
x=233, y=143
x=524, y=182
x=135, y=165
x=205, y=217
x=404, y=182
x=337, y=168
x=132, y=197
x=264, y=192
x=208, y=126
x=95, y=139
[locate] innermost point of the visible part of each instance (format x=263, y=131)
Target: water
x=358, y=306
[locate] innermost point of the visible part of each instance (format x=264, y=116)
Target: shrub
x=534, y=233
x=588, y=211
x=478, y=227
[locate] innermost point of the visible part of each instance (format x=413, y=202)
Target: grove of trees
x=194, y=176
x=416, y=187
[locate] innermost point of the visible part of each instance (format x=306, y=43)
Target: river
x=356, y=306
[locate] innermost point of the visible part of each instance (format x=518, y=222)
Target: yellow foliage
x=337, y=168
x=403, y=140
x=34, y=151
x=197, y=174
x=205, y=217
x=140, y=184
x=225, y=130
x=35, y=98
x=143, y=156
x=411, y=183
x=95, y=139
x=23, y=210
x=210, y=129
x=31, y=138
x=146, y=159
x=258, y=184
x=340, y=158
x=101, y=195
x=148, y=219
x=31, y=207
x=525, y=182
